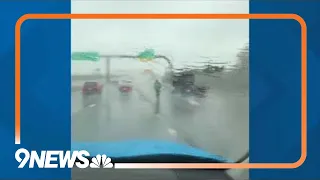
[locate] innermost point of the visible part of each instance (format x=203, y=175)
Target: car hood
x=132, y=148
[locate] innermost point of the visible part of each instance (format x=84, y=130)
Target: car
x=92, y=87
x=125, y=86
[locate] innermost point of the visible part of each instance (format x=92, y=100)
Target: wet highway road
x=218, y=124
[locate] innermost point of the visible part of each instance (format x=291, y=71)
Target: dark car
x=183, y=79
x=184, y=84
x=201, y=91
x=92, y=87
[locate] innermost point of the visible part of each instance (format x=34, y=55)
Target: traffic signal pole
x=108, y=69
x=109, y=57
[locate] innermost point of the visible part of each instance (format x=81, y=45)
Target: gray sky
x=182, y=40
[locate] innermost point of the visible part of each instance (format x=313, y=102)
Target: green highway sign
x=85, y=56
x=147, y=55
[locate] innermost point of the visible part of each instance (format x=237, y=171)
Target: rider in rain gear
x=157, y=87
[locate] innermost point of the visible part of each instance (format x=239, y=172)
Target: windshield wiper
x=243, y=158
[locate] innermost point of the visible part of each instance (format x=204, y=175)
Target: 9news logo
x=61, y=159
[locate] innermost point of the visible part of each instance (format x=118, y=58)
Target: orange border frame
x=298, y=18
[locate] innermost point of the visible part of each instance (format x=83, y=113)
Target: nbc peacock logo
x=101, y=161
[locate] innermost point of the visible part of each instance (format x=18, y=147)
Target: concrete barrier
x=87, y=77
x=91, y=77
x=76, y=88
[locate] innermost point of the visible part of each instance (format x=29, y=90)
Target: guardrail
x=76, y=88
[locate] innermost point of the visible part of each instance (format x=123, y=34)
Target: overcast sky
x=182, y=40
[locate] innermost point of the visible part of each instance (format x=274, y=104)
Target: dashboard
x=161, y=174
x=148, y=174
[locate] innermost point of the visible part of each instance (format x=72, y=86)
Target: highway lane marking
x=92, y=105
x=79, y=110
x=172, y=132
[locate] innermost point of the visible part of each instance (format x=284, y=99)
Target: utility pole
x=157, y=88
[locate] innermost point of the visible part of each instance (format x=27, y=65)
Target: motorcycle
x=187, y=91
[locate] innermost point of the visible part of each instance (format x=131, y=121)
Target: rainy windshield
x=188, y=82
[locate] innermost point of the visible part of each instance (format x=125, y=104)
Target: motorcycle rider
x=157, y=87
